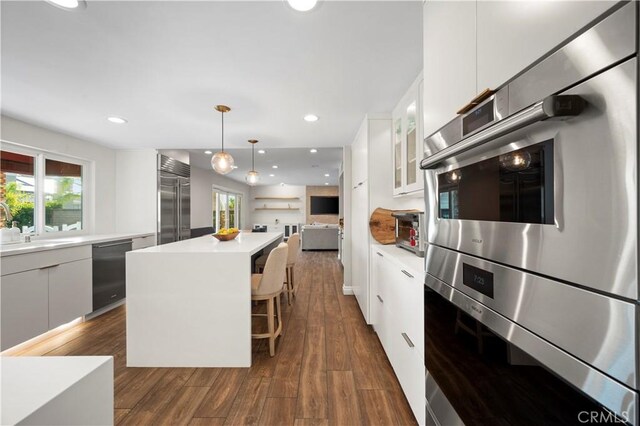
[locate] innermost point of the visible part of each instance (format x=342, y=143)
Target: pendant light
x=252, y=176
x=222, y=162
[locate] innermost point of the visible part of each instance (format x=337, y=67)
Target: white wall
x=101, y=191
x=136, y=195
x=269, y=217
x=202, y=183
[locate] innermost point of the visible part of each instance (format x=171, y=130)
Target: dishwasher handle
x=121, y=243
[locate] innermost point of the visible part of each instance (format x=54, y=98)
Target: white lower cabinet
x=143, y=242
x=24, y=301
x=398, y=318
x=39, y=293
x=70, y=294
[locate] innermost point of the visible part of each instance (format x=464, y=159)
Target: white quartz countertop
x=29, y=383
x=245, y=242
x=57, y=243
x=404, y=258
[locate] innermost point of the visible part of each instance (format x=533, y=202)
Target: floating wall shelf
x=277, y=198
x=276, y=208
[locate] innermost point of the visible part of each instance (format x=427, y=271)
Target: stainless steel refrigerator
x=174, y=200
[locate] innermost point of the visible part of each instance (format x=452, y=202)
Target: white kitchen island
x=189, y=302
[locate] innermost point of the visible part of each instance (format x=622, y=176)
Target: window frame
x=40, y=156
x=239, y=196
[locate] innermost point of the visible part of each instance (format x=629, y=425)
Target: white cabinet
x=398, y=318
x=143, y=242
x=359, y=157
x=513, y=35
x=449, y=29
x=470, y=46
x=40, y=291
x=70, y=293
x=359, y=243
x=407, y=141
x=370, y=152
x=24, y=300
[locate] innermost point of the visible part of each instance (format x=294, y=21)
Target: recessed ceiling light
x=68, y=4
x=310, y=118
x=313, y=150
x=326, y=183
x=271, y=175
x=117, y=120
x=234, y=167
x=274, y=167
x=208, y=152
x=261, y=151
x=302, y=5
x=326, y=175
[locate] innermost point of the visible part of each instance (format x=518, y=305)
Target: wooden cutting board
x=383, y=225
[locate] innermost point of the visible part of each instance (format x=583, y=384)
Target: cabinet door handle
x=50, y=266
x=114, y=296
x=409, y=342
x=379, y=298
x=360, y=184
x=407, y=274
x=380, y=254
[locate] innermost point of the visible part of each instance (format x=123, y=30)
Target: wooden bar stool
x=294, y=249
x=268, y=286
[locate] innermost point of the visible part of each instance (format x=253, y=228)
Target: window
x=63, y=196
x=17, y=188
x=226, y=209
x=44, y=192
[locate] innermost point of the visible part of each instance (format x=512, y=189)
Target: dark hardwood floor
x=329, y=368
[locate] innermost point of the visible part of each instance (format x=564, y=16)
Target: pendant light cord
x=253, y=163
x=222, y=130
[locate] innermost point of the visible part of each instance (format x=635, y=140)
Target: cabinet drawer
x=143, y=242
x=43, y=259
x=410, y=370
x=411, y=304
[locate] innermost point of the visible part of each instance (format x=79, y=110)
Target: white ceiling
x=296, y=166
x=164, y=65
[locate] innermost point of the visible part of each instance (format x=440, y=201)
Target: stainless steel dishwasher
x=109, y=272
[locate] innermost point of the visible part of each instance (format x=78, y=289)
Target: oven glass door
x=406, y=232
x=512, y=187
x=491, y=382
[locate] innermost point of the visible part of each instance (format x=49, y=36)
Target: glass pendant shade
x=252, y=178
x=222, y=162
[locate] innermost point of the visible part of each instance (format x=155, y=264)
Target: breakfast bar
x=189, y=302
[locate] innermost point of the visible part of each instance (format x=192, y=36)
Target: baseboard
x=347, y=290
x=105, y=309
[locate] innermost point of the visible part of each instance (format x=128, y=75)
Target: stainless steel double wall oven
x=532, y=260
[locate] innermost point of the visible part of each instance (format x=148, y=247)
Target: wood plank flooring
x=329, y=368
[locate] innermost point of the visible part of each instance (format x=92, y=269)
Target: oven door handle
x=555, y=107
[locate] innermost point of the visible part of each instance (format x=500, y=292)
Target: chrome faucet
x=7, y=213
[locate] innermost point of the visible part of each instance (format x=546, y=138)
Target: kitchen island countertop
x=189, y=302
x=245, y=242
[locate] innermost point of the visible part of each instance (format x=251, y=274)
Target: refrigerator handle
x=178, y=211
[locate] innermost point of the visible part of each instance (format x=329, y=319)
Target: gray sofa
x=319, y=237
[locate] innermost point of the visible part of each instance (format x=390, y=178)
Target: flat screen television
x=321, y=204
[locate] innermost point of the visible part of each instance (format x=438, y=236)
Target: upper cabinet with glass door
x=407, y=142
